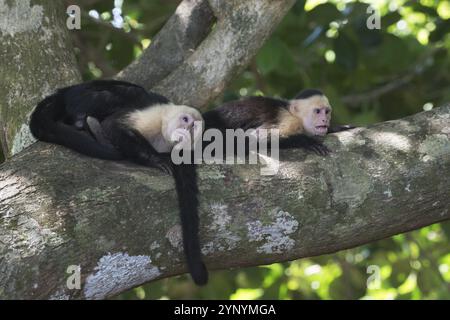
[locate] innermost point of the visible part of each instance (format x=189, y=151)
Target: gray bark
x=119, y=222
x=241, y=29
x=36, y=57
x=176, y=41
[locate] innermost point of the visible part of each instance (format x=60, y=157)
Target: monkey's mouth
x=322, y=130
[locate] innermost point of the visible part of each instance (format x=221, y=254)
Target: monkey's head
x=313, y=108
x=182, y=124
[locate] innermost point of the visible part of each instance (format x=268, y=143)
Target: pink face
x=321, y=117
x=315, y=113
x=191, y=123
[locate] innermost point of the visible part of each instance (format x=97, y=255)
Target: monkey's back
x=248, y=113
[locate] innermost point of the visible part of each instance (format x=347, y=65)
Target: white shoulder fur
x=152, y=122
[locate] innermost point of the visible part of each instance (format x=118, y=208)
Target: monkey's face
x=185, y=126
x=315, y=112
x=320, y=120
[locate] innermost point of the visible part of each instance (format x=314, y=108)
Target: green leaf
x=446, y=228
x=122, y=52
x=442, y=30
x=346, y=52
x=350, y=285
x=270, y=56
x=390, y=19
x=428, y=281
x=418, y=7
x=400, y=272
x=323, y=14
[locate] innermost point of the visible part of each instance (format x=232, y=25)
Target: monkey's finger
x=165, y=167
x=324, y=150
x=319, y=149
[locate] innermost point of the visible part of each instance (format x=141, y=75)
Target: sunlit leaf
x=247, y=294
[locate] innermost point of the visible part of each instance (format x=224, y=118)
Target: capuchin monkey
x=128, y=123
x=299, y=120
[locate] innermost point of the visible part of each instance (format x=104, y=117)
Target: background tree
x=370, y=76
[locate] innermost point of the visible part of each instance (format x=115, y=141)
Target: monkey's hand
x=305, y=142
x=319, y=148
x=182, y=139
x=163, y=163
x=197, y=131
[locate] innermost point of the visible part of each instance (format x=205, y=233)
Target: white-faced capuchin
x=136, y=125
x=299, y=120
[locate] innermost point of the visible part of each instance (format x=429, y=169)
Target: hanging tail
x=45, y=126
x=186, y=184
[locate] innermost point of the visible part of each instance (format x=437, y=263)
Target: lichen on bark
x=33, y=37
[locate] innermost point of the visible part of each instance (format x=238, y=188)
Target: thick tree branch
x=191, y=66
x=176, y=41
x=119, y=222
x=36, y=57
x=242, y=28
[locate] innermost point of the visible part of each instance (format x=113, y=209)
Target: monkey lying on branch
x=116, y=120
x=136, y=125
x=298, y=120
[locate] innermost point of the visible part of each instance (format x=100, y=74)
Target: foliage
x=369, y=75
x=415, y=265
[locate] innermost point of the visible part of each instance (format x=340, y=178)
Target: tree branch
x=119, y=222
x=36, y=58
x=107, y=25
x=192, y=67
x=356, y=99
x=242, y=28
x=176, y=41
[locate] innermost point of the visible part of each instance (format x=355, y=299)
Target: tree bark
x=198, y=76
x=36, y=58
x=176, y=41
x=119, y=222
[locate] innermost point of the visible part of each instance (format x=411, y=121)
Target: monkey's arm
x=95, y=129
x=305, y=142
x=134, y=146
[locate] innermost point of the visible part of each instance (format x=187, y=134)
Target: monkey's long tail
x=186, y=184
x=45, y=126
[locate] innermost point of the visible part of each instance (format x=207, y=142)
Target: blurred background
x=369, y=76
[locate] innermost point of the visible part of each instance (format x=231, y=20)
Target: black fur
x=185, y=176
x=304, y=142
x=46, y=124
x=308, y=93
x=245, y=114
x=62, y=118
x=339, y=128
x=253, y=112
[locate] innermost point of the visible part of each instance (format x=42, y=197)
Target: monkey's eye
x=317, y=111
x=327, y=111
x=185, y=119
